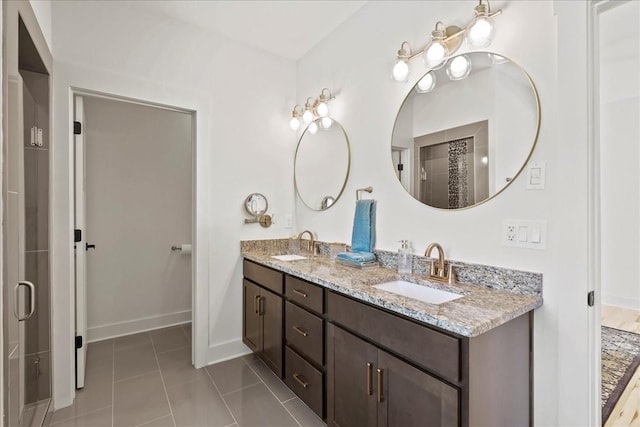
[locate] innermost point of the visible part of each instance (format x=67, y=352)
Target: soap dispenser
x=405, y=258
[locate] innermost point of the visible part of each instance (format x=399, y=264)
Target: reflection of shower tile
x=37, y=377
x=440, y=166
x=12, y=262
x=37, y=327
x=439, y=151
x=36, y=188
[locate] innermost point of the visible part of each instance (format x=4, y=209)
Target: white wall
x=355, y=62
x=240, y=96
x=138, y=204
x=620, y=152
x=42, y=10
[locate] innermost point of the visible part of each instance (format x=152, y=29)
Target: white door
x=81, y=248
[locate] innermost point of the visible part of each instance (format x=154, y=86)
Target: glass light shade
x=485, y=160
x=322, y=109
x=294, y=124
x=435, y=54
x=307, y=116
x=426, y=83
x=313, y=128
x=326, y=122
x=400, y=71
x=480, y=32
x=459, y=67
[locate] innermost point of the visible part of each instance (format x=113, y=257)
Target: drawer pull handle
x=299, y=292
x=256, y=304
x=369, y=378
x=300, y=380
x=380, y=380
x=261, y=306
x=301, y=331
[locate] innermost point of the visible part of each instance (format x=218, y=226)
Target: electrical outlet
x=525, y=234
x=288, y=221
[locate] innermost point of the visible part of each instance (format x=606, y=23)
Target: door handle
x=261, y=306
x=380, y=381
x=88, y=246
x=256, y=305
x=32, y=300
x=369, y=378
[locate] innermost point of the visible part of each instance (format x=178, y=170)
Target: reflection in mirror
x=322, y=161
x=461, y=136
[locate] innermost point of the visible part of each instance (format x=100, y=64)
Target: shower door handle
x=32, y=300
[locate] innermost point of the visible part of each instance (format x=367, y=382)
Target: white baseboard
x=619, y=301
x=113, y=330
x=226, y=351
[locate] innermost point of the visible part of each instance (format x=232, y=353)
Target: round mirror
x=256, y=204
x=465, y=131
x=321, y=165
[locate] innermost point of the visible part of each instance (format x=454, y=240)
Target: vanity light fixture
x=307, y=116
x=294, y=123
x=326, y=122
x=322, y=106
x=313, y=128
x=459, y=67
x=426, y=83
x=446, y=40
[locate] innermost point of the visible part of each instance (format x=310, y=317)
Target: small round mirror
x=256, y=204
x=465, y=131
x=322, y=162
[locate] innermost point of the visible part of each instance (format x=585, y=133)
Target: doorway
x=133, y=219
x=616, y=65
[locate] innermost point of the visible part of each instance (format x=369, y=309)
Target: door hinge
x=77, y=236
x=78, y=341
x=77, y=128
x=591, y=299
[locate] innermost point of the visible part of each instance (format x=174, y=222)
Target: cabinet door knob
x=380, y=381
x=369, y=378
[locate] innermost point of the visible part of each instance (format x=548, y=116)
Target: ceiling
x=287, y=28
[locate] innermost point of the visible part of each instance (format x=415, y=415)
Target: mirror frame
x=524, y=163
x=346, y=177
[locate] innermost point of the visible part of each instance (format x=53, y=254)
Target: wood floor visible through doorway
x=627, y=410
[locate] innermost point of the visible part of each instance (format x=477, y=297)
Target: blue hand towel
x=356, y=257
x=364, y=226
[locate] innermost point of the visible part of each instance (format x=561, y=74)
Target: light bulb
x=459, y=67
x=435, y=54
x=326, y=122
x=485, y=160
x=307, y=116
x=426, y=83
x=480, y=32
x=400, y=71
x=313, y=128
x=294, y=124
x=322, y=109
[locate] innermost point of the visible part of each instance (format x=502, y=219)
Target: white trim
x=619, y=301
x=113, y=330
x=226, y=351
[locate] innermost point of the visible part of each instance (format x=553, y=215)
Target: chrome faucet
x=438, y=272
x=311, y=244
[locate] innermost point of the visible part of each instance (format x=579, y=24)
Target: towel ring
x=368, y=189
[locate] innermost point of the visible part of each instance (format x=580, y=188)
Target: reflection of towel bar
x=176, y=248
x=368, y=189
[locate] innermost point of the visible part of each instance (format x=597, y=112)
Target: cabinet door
x=251, y=329
x=351, y=386
x=410, y=397
x=272, y=342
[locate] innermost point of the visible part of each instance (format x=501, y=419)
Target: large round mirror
x=465, y=131
x=322, y=163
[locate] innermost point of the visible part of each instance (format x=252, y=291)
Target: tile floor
x=147, y=380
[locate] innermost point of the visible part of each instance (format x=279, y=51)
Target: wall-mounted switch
x=536, y=175
x=524, y=234
x=288, y=221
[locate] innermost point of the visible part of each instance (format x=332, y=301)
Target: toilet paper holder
x=181, y=248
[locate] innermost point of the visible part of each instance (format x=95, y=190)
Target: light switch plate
x=527, y=234
x=536, y=172
x=288, y=221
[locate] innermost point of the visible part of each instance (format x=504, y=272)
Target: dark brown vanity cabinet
x=263, y=314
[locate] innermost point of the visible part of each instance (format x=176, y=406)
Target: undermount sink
x=419, y=292
x=288, y=257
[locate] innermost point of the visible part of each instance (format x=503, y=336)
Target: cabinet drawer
x=428, y=348
x=263, y=276
x=304, y=293
x=304, y=332
x=304, y=380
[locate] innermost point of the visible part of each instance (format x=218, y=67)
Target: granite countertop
x=480, y=310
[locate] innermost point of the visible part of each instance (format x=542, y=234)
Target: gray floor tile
x=256, y=406
x=301, y=412
x=187, y=330
x=101, y=418
x=272, y=381
x=250, y=358
x=139, y=400
x=131, y=340
x=198, y=403
x=169, y=339
x=232, y=375
x=160, y=422
x=134, y=360
x=177, y=369
x=100, y=355
x=96, y=394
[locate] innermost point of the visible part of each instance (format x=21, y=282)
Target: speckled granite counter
x=480, y=310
